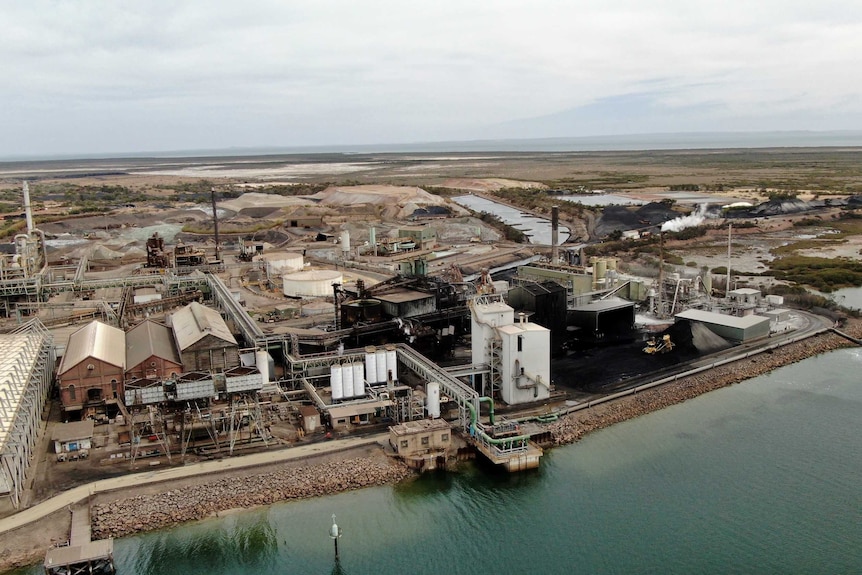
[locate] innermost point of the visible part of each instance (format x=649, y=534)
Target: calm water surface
x=761, y=477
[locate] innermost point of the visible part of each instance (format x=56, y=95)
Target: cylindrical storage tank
x=361, y=310
x=335, y=382
x=358, y=379
x=371, y=367
x=261, y=360
x=432, y=400
x=612, y=263
x=392, y=364
x=280, y=263
x=380, y=358
x=347, y=379
x=345, y=241
x=601, y=268
x=312, y=283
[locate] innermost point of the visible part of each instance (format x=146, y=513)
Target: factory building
x=92, y=370
x=407, y=303
x=732, y=328
x=546, y=302
x=26, y=362
x=604, y=320
x=151, y=353
x=423, y=237
x=516, y=353
x=203, y=339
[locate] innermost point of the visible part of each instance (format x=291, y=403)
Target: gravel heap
x=147, y=512
x=573, y=427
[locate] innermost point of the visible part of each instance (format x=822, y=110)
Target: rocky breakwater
x=147, y=512
x=574, y=426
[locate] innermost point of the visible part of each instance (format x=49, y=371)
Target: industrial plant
x=202, y=351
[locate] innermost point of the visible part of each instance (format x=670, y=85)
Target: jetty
x=82, y=556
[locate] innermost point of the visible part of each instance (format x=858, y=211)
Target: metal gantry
x=26, y=360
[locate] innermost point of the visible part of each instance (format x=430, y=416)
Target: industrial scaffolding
x=26, y=361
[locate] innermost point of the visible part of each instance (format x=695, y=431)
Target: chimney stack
x=215, y=224
x=555, y=230
x=28, y=209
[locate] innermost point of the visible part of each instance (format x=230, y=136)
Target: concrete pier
x=82, y=556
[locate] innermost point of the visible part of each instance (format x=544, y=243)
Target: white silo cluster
x=347, y=381
x=380, y=365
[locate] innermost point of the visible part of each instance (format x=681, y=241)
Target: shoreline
x=139, y=509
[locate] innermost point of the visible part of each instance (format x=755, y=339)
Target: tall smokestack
x=215, y=224
x=555, y=231
x=729, y=240
x=28, y=209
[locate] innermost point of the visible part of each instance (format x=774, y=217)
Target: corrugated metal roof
x=74, y=430
x=604, y=305
x=97, y=340
x=722, y=319
x=194, y=322
x=16, y=350
x=147, y=339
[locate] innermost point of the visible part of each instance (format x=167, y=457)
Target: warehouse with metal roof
x=732, y=328
x=93, y=367
x=203, y=339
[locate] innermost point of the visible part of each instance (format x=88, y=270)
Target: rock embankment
x=147, y=512
x=573, y=427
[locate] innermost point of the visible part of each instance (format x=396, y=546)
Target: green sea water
x=760, y=477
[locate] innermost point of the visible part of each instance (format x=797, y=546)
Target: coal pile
x=694, y=338
x=627, y=218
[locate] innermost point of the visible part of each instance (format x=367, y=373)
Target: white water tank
x=311, y=283
x=358, y=379
x=347, y=378
x=345, y=243
x=380, y=358
x=280, y=263
x=392, y=364
x=335, y=382
x=371, y=368
x=432, y=400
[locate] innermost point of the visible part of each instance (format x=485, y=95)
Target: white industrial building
x=518, y=353
x=26, y=362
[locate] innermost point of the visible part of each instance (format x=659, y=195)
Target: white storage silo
x=392, y=364
x=358, y=380
x=335, y=382
x=345, y=244
x=370, y=368
x=432, y=400
x=380, y=358
x=261, y=360
x=312, y=283
x=347, y=379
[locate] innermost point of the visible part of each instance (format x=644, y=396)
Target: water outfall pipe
x=474, y=430
x=535, y=382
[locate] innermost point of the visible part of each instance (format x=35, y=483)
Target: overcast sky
x=108, y=77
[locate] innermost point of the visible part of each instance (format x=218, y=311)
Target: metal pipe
x=215, y=223
x=555, y=231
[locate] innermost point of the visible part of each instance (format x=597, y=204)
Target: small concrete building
x=423, y=236
x=93, y=367
x=203, y=339
x=151, y=352
x=310, y=418
x=732, y=328
x=73, y=436
x=422, y=444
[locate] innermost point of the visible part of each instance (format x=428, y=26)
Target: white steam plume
x=693, y=219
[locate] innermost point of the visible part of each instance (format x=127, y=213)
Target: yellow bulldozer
x=663, y=345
